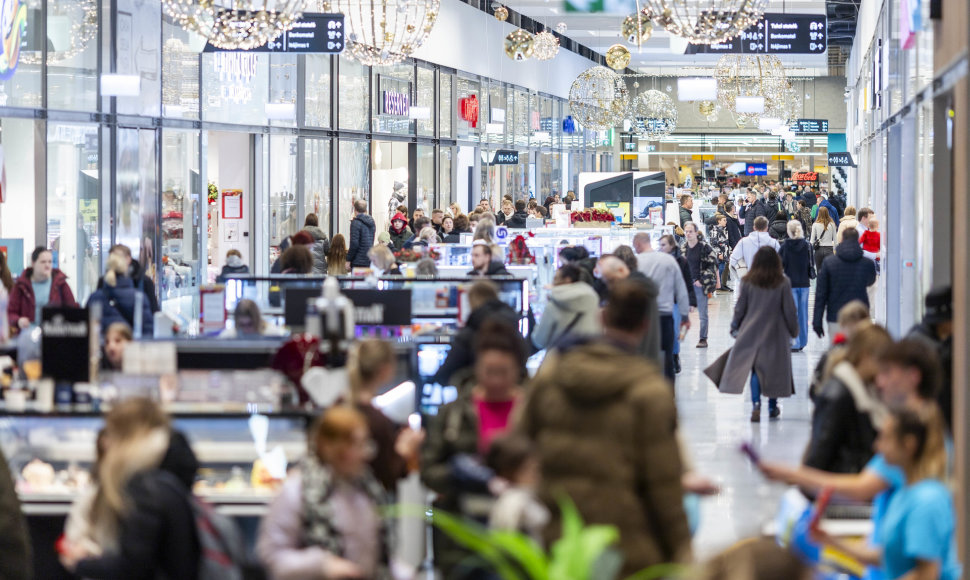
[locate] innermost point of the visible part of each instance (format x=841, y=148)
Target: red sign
x=536, y=121
x=468, y=109
x=805, y=176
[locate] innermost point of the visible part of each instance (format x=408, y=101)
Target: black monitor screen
x=432, y=395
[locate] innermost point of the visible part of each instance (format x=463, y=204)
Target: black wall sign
x=841, y=159
x=810, y=126
x=775, y=34
x=506, y=157
x=380, y=307
x=64, y=344
x=313, y=33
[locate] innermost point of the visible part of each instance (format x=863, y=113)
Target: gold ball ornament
x=617, y=57
x=629, y=31
x=501, y=14
x=519, y=45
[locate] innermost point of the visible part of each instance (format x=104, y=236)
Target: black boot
x=677, y=364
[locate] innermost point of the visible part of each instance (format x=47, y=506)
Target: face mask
x=234, y=261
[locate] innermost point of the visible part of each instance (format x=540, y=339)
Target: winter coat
x=22, y=303
x=494, y=269
x=118, y=305
x=708, y=276
x=833, y=213
x=228, y=270
x=501, y=218
x=142, y=283
x=772, y=207
x=362, y=233
x=319, y=249
x=749, y=246
x=752, y=212
x=720, y=242
x=804, y=215
x=843, y=423
x=733, y=231
x=778, y=230
x=685, y=216
x=398, y=238
x=844, y=277
x=796, y=259
x=157, y=537
x=603, y=421
x=571, y=309
x=517, y=221
x=685, y=273
x=15, y=558
x=765, y=320
x=462, y=353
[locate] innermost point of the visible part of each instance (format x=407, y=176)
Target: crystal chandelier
x=83, y=16
x=381, y=32
x=709, y=110
x=705, y=21
x=653, y=114
x=545, y=46
x=598, y=98
x=752, y=76
x=236, y=24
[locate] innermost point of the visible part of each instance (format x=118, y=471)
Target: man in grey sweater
x=665, y=272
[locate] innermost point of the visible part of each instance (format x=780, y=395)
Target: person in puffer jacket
x=399, y=231
x=119, y=299
x=844, y=277
x=363, y=231
x=572, y=310
x=321, y=243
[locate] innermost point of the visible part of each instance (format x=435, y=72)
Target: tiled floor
x=714, y=425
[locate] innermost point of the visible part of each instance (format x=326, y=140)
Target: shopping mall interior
x=401, y=289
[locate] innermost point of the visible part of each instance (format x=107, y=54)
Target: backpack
x=222, y=553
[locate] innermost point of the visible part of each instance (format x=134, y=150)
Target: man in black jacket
x=362, y=232
x=936, y=331
x=517, y=220
x=844, y=277
x=733, y=225
x=686, y=205
x=482, y=263
x=756, y=208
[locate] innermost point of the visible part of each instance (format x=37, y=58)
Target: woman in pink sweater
x=326, y=522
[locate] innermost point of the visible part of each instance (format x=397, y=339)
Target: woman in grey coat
x=765, y=321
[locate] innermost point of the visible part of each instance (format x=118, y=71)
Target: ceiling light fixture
x=383, y=32
x=705, y=21
x=236, y=24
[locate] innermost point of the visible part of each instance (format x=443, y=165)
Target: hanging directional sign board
x=775, y=34
x=841, y=159
x=313, y=33
x=810, y=126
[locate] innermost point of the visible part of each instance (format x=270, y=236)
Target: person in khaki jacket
x=603, y=421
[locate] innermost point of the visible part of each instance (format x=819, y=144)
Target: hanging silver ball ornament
x=561, y=28
x=501, y=13
x=636, y=84
x=598, y=99
x=519, y=45
x=617, y=57
x=709, y=110
x=630, y=32
x=652, y=114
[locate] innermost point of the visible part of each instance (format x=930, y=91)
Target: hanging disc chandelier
x=653, y=114
x=741, y=75
x=598, y=98
x=705, y=21
x=236, y=24
x=383, y=32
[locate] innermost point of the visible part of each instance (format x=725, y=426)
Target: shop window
x=136, y=202
x=183, y=204
x=72, y=54
x=180, y=73
x=139, y=26
x=235, y=86
x=354, y=180
x=471, y=106
x=21, y=138
x=393, y=97
x=284, y=216
x=282, y=90
x=446, y=107
x=446, y=191
x=316, y=180
x=317, y=96
x=499, y=114
x=426, y=177
x=425, y=100
x=354, y=94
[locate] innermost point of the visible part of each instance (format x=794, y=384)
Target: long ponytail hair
x=116, y=267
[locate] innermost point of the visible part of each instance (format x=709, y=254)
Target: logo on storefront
x=468, y=109
x=395, y=104
x=805, y=176
x=13, y=24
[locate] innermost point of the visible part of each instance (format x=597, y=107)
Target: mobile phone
x=414, y=421
x=821, y=502
x=748, y=450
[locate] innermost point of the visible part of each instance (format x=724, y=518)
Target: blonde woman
x=823, y=237
x=848, y=222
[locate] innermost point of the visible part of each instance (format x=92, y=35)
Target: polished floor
x=714, y=425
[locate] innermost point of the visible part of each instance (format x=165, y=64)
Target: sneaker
x=677, y=364
x=702, y=343
x=774, y=413
x=756, y=414
x=726, y=288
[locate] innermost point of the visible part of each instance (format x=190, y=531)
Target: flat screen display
x=756, y=169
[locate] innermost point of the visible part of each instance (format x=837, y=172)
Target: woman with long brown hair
x=765, y=321
x=337, y=256
x=823, y=237
x=6, y=278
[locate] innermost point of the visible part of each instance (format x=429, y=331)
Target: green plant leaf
x=525, y=551
x=660, y=571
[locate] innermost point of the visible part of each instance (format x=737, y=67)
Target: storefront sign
x=756, y=169
x=506, y=157
x=468, y=109
x=568, y=125
x=841, y=159
x=313, y=33
x=380, y=307
x=810, y=126
x=65, y=344
x=13, y=25
x=805, y=176
x=775, y=34
x=394, y=104
x=232, y=204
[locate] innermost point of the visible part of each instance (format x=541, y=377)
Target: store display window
x=446, y=106
x=316, y=181
x=72, y=54
x=183, y=203
x=281, y=106
x=424, y=116
x=235, y=87
x=354, y=103
x=353, y=178
x=393, y=98
x=180, y=73
x=317, y=95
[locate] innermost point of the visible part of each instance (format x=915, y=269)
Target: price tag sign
x=501, y=235
x=313, y=33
